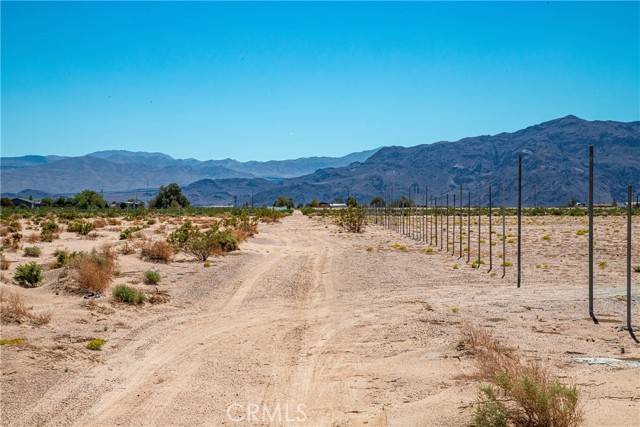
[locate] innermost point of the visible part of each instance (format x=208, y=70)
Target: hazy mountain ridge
x=555, y=167
x=120, y=170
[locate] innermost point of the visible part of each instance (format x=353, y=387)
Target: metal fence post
x=490, y=231
x=591, y=313
x=469, y=229
x=629, y=213
x=519, y=219
x=460, y=222
x=447, y=214
x=453, y=227
x=479, y=229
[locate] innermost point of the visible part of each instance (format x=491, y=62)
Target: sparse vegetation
x=152, y=277
x=399, y=247
x=14, y=310
x=96, y=344
x=94, y=270
x=506, y=264
x=32, y=251
x=170, y=196
x=48, y=231
x=517, y=393
x=29, y=274
x=602, y=265
x=201, y=244
x=546, y=237
x=81, y=227
x=4, y=262
x=636, y=269
x=582, y=232
x=352, y=219
x=159, y=251
x=128, y=232
x=128, y=295
x=12, y=341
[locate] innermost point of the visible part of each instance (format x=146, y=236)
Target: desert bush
x=48, y=231
x=12, y=341
x=201, y=244
x=96, y=344
x=582, y=232
x=29, y=274
x=516, y=392
x=152, y=277
x=13, y=308
x=399, y=247
x=94, y=270
x=99, y=223
x=158, y=251
x=602, y=265
x=127, y=249
x=636, y=269
x=352, y=219
x=127, y=294
x=546, y=237
x=81, y=227
x=127, y=233
x=32, y=251
x=63, y=258
x=12, y=241
x=4, y=263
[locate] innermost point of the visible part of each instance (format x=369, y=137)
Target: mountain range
x=555, y=170
x=118, y=170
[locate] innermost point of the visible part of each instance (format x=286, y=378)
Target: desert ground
x=334, y=328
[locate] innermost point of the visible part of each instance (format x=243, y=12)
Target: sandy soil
x=332, y=328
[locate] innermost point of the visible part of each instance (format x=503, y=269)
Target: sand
x=332, y=328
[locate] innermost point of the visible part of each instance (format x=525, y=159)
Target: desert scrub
x=636, y=269
x=202, y=244
x=207, y=264
x=477, y=263
x=602, y=264
x=428, y=251
x=157, y=252
x=399, y=247
x=351, y=219
x=151, y=277
x=48, y=231
x=369, y=248
x=517, y=392
x=96, y=344
x=546, y=237
x=13, y=310
x=582, y=232
x=128, y=232
x=63, y=258
x=506, y=264
x=12, y=341
x=81, y=227
x=4, y=262
x=127, y=294
x=94, y=270
x=32, y=251
x=29, y=274
x=455, y=266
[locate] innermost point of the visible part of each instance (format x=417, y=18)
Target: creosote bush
x=48, y=231
x=81, y=227
x=352, y=219
x=29, y=274
x=202, y=244
x=128, y=295
x=516, y=392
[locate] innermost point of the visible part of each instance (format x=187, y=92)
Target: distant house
x=129, y=204
x=337, y=205
x=19, y=201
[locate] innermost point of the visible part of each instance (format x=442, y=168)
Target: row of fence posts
x=431, y=224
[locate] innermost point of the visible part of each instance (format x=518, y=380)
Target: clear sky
x=284, y=80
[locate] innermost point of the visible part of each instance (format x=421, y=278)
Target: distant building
x=19, y=201
x=130, y=204
x=337, y=205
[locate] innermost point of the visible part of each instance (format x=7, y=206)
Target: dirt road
x=313, y=327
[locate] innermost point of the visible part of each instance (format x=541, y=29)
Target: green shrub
x=29, y=274
x=506, y=264
x=64, y=258
x=352, y=219
x=48, y=230
x=152, y=277
x=12, y=341
x=96, y=344
x=602, y=264
x=81, y=227
x=202, y=244
x=128, y=232
x=127, y=294
x=582, y=232
x=32, y=251
x=636, y=268
x=546, y=237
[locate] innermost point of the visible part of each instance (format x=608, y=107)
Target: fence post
x=453, y=227
x=447, y=214
x=504, y=240
x=479, y=229
x=441, y=223
x=460, y=257
x=519, y=219
x=629, y=213
x=490, y=231
x=469, y=229
x=591, y=313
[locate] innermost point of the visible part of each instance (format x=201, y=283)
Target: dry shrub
x=127, y=249
x=114, y=221
x=158, y=251
x=94, y=270
x=12, y=241
x=13, y=310
x=518, y=393
x=99, y=223
x=4, y=263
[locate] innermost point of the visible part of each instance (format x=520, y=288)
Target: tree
x=315, y=203
x=352, y=202
x=283, y=202
x=377, y=202
x=6, y=202
x=170, y=196
x=47, y=201
x=89, y=199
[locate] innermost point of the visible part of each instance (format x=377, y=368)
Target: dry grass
x=94, y=271
x=4, y=263
x=13, y=310
x=518, y=393
x=99, y=223
x=159, y=251
x=127, y=249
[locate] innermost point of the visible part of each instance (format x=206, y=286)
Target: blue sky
x=284, y=80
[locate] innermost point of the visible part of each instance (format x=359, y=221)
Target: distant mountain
x=555, y=164
x=122, y=171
